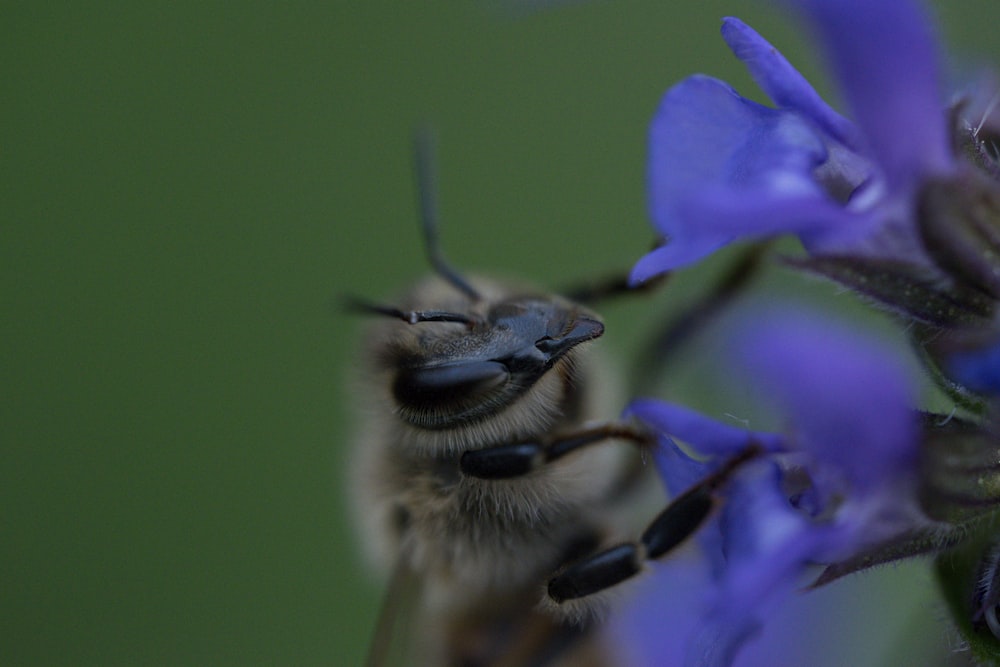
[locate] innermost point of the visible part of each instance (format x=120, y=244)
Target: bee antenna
x=356, y=305
x=426, y=182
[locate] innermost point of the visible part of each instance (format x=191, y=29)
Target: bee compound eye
x=455, y=384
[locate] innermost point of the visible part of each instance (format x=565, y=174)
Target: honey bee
x=488, y=459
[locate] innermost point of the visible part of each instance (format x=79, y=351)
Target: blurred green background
x=186, y=188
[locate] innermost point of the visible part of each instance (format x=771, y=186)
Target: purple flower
x=976, y=368
x=898, y=199
x=838, y=479
x=722, y=167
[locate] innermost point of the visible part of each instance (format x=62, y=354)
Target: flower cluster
x=899, y=201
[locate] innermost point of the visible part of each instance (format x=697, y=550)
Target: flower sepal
x=904, y=289
x=959, y=472
x=909, y=544
x=959, y=223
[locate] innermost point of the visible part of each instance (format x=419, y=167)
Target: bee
x=485, y=462
x=488, y=459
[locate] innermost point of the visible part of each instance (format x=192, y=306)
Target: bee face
x=452, y=374
x=514, y=368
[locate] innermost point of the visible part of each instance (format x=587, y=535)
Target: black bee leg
x=518, y=459
x=611, y=287
x=657, y=353
x=674, y=525
x=597, y=573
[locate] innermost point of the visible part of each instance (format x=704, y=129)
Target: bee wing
x=393, y=641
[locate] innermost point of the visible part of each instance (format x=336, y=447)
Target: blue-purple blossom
x=977, y=369
x=848, y=402
x=899, y=200
x=722, y=167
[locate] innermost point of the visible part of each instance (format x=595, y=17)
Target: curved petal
x=678, y=471
x=675, y=255
x=654, y=628
x=767, y=544
x=705, y=137
x=706, y=435
x=818, y=372
x=735, y=213
x=783, y=83
x=705, y=132
x=884, y=56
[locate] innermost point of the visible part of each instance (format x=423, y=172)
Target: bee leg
x=518, y=459
x=608, y=568
x=658, y=352
x=673, y=526
x=611, y=287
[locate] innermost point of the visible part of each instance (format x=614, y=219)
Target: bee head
x=463, y=374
